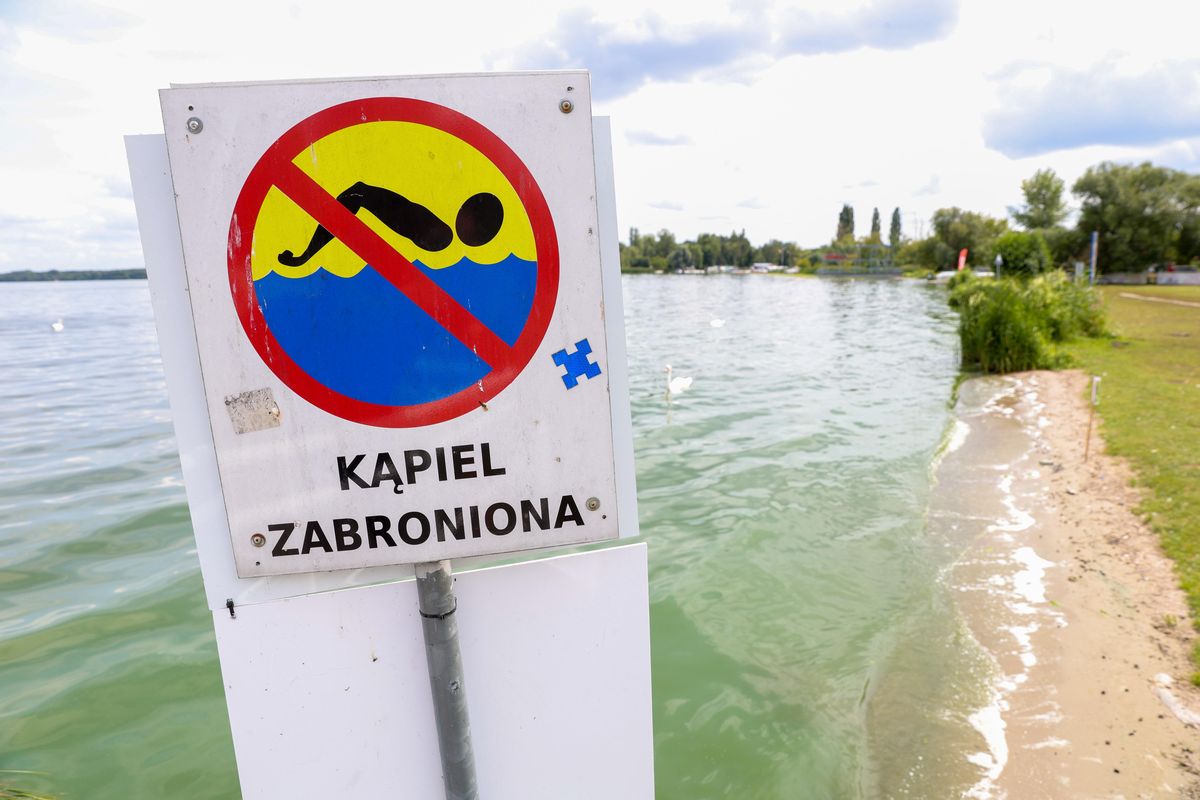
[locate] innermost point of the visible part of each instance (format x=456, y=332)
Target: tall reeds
x=1013, y=324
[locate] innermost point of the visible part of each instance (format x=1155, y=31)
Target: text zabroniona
x=416, y=527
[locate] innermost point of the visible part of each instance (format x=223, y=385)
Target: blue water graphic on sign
x=365, y=339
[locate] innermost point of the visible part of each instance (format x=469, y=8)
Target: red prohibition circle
x=275, y=169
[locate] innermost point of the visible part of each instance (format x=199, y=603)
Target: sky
x=758, y=115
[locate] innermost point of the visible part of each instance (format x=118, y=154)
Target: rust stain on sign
x=255, y=410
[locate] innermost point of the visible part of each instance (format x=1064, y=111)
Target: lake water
x=793, y=579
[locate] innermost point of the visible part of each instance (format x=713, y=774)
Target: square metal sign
x=399, y=310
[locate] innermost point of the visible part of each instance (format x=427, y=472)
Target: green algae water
x=783, y=496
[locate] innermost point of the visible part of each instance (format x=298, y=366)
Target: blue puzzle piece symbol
x=578, y=364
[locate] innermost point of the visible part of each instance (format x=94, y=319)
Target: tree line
x=845, y=229
x=1145, y=215
x=25, y=275
x=662, y=251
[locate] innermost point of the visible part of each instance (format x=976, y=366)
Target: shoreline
x=1068, y=593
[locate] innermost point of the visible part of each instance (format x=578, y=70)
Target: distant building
x=859, y=259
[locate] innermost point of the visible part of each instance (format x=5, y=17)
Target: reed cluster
x=1014, y=324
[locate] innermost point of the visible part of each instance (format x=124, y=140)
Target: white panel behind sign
x=390, y=372
x=557, y=665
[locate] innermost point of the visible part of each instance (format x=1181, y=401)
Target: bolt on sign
x=399, y=315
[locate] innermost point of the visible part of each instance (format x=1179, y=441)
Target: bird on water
x=677, y=385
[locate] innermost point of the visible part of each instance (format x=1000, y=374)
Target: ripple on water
x=107, y=662
x=784, y=498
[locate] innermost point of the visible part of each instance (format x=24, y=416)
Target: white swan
x=57, y=325
x=717, y=323
x=676, y=385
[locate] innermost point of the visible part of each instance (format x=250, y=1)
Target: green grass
x=1150, y=406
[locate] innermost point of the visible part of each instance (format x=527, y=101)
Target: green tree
x=876, y=233
x=845, y=228
x=1066, y=245
x=739, y=251
x=894, y=233
x=773, y=252
x=1139, y=211
x=710, y=249
x=665, y=244
x=1187, y=246
x=957, y=229
x=1023, y=252
x=680, y=258
x=931, y=253
x=1044, y=206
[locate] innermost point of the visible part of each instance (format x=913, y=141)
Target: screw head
x=195, y=124
x=566, y=106
x=592, y=503
x=258, y=540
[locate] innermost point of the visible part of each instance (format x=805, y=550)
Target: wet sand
x=1067, y=591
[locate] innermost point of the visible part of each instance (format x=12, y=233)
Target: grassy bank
x=1150, y=405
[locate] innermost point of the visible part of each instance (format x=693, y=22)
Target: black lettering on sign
x=345, y=533
x=377, y=528
x=315, y=537
x=284, y=531
x=441, y=462
x=441, y=523
x=568, y=512
x=415, y=461
x=475, y=533
x=485, y=460
x=528, y=513
x=461, y=460
x=385, y=470
x=490, y=519
x=422, y=523
x=346, y=472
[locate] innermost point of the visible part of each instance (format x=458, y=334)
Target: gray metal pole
x=1095, y=252
x=435, y=596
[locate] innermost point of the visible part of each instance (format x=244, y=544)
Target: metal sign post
x=435, y=597
x=1095, y=253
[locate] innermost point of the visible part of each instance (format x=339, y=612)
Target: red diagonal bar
x=395, y=268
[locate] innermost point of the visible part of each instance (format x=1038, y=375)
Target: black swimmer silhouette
x=478, y=221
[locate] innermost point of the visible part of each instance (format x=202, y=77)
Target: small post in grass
x=1087, y=445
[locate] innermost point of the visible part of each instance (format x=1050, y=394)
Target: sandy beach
x=1066, y=589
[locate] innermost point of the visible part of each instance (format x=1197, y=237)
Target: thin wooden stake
x=1087, y=445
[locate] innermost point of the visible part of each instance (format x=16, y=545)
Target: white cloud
x=1047, y=109
x=658, y=139
x=932, y=186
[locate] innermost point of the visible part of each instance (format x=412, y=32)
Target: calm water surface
x=793, y=583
